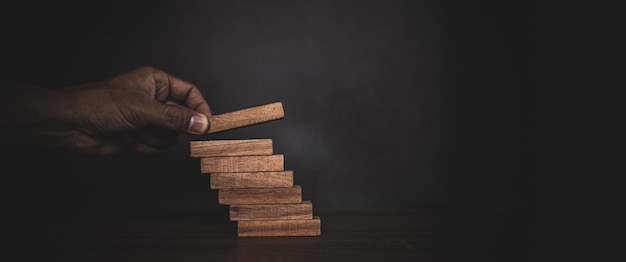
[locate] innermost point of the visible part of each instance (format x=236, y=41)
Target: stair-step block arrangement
x=251, y=178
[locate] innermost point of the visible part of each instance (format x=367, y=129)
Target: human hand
x=144, y=110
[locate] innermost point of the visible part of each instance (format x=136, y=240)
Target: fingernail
x=198, y=124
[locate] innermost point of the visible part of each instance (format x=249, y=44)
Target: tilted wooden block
x=302, y=210
x=246, y=117
x=277, y=228
x=239, y=147
x=228, y=164
x=274, y=195
x=252, y=179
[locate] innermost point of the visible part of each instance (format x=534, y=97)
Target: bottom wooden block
x=278, y=228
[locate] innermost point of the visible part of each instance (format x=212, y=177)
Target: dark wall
x=388, y=104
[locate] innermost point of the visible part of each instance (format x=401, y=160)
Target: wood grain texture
x=229, y=164
x=235, y=147
x=302, y=210
x=246, y=117
x=276, y=228
x=275, y=195
x=252, y=179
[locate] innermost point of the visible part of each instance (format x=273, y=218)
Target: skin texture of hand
x=144, y=110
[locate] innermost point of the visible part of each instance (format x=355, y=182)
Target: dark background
x=388, y=104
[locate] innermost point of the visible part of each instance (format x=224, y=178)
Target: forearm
x=26, y=112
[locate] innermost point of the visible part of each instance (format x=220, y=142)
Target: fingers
x=172, y=117
x=170, y=86
x=155, y=137
x=159, y=109
x=153, y=141
x=148, y=142
x=190, y=95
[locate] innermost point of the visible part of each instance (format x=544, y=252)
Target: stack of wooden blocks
x=251, y=178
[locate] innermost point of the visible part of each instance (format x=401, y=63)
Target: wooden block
x=246, y=117
x=277, y=228
x=302, y=210
x=252, y=179
x=243, y=147
x=275, y=195
x=228, y=164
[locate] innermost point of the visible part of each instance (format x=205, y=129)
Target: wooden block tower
x=251, y=178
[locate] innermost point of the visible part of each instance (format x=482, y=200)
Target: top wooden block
x=246, y=117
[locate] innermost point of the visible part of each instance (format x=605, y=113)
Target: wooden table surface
x=393, y=235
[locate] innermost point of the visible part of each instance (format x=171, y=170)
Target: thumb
x=176, y=117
